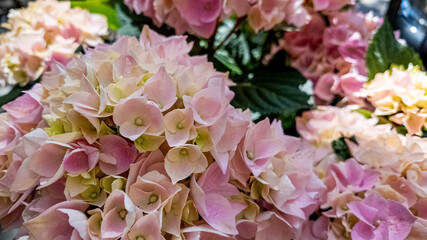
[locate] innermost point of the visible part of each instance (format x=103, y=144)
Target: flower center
x=153, y=198
x=250, y=155
x=140, y=238
x=183, y=152
x=180, y=125
x=138, y=122
x=414, y=211
x=377, y=223
x=93, y=195
x=345, y=207
x=123, y=213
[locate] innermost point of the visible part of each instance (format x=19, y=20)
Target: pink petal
x=136, y=117
x=161, y=89
x=147, y=226
x=364, y=212
x=179, y=167
x=124, y=153
x=362, y=231
x=22, y=106
x=47, y=160
x=77, y=220
x=112, y=225
x=220, y=214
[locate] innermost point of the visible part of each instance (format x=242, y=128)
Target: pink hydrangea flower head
x=44, y=32
x=200, y=17
x=332, y=56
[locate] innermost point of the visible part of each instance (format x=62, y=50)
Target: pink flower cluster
x=330, y=5
x=201, y=16
x=333, y=56
x=379, y=192
x=46, y=31
x=138, y=140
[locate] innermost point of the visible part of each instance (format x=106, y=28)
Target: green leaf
x=224, y=57
x=129, y=30
x=242, y=44
x=234, y=42
x=12, y=95
x=80, y=49
x=341, y=148
x=123, y=14
x=127, y=21
x=366, y=113
x=384, y=50
x=288, y=119
x=223, y=31
x=100, y=7
x=272, y=92
x=240, y=49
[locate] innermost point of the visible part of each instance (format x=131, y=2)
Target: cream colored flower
x=402, y=95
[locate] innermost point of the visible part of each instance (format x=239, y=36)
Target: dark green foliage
x=269, y=92
x=385, y=51
x=341, y=149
